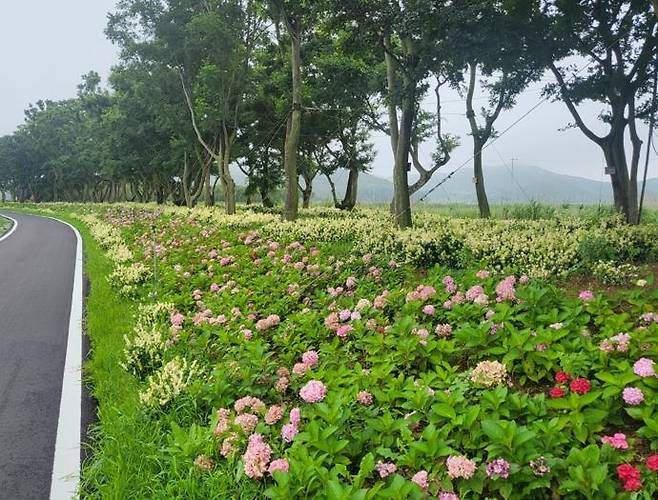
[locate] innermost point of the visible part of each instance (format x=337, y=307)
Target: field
x=245, y=357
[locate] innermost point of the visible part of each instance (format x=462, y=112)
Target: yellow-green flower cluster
x=143, y=350
x=168, y=382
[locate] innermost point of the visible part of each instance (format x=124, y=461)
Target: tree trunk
x=402, y=202
x=349, y=201
x=478, y=178
x=307, y=192
x=186, y=181
x=228, y=184
x=293, y=130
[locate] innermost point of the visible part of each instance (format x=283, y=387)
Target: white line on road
x=13, y=228
x=66, y=464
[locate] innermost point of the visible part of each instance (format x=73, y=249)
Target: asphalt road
x=37, y=265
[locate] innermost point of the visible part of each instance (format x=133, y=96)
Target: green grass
x=5, y=224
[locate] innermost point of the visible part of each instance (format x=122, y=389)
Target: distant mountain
x=523, y=184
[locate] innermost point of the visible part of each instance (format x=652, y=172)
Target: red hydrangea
x=562, y=377
x=652, y=462
x=580, y=385
x=556, y=392
x=632, y=485
x=626, y=472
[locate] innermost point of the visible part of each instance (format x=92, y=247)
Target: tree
x=618, y=37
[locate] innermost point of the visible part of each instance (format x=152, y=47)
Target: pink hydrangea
x=483, y=275
x=214, y=288
x=385, y=469
x=313, y=392
x=257, y=457
x=274, y=414
x=310, y=358
x=280, y=465
x=350, y=283
x=644, y=367
x=266, y=323
x=420, y=478
x=586, y=296
x=460, y=466
x=498, y=468
x=247, y=422
x=300, y=368
x=617, y=441
x=474, y=292
x=251, y=402
x=295, y=416
x=288, y=432
x=633, y=396
x=429, y=309
x=448, y=495
x=345, y=315
x=443, y=330
x=228, y=445
x=177, y=319
x=449, y=283
x=364, y=398
x=343, y=330
x=505, y=290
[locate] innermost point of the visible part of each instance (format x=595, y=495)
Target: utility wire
x=516, y=122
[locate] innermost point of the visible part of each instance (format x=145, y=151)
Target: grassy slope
x=5, y=224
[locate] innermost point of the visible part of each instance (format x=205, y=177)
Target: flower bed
x=290, y=369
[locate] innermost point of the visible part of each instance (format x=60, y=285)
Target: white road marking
x=66, y=464
x=13, y=228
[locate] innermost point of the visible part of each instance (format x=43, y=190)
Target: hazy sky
x=49, y=44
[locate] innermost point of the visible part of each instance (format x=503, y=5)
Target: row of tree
x=289, y=90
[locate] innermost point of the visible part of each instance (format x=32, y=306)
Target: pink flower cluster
x=422, y=292
x=443, y=330
x=385, y=469
x=291, y=429
x=310, y=359
x=618, y=440
x=505, y=290
x=649, y=317
x=421, y=479
x=364, y=398
x=249, y=402
x=460, y=466
x=619, y=342
x=632, y=396
x=274, y=414
x=449, y=283
x=266, y=323
x=313, y=392
x=257, y=457
x=498, y=468
x=644, y=367
x=483, y=275
x=586, y=296
x=280, y=465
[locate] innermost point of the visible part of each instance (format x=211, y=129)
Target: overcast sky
x=48, y=45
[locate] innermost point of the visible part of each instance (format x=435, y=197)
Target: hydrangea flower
x=489, y=373
x=498, y=468
x=257, y=457
x=460, y=466
x=313, y=392
x=617, y=441
x=586, y=296
x=580, y=386
x=632, y=396
x=280, y=465
x=420, y=478
x=644, y=367
x=364, y=398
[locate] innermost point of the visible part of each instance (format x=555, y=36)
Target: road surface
x=37, y=269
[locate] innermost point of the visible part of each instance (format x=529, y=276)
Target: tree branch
x=572, y=108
